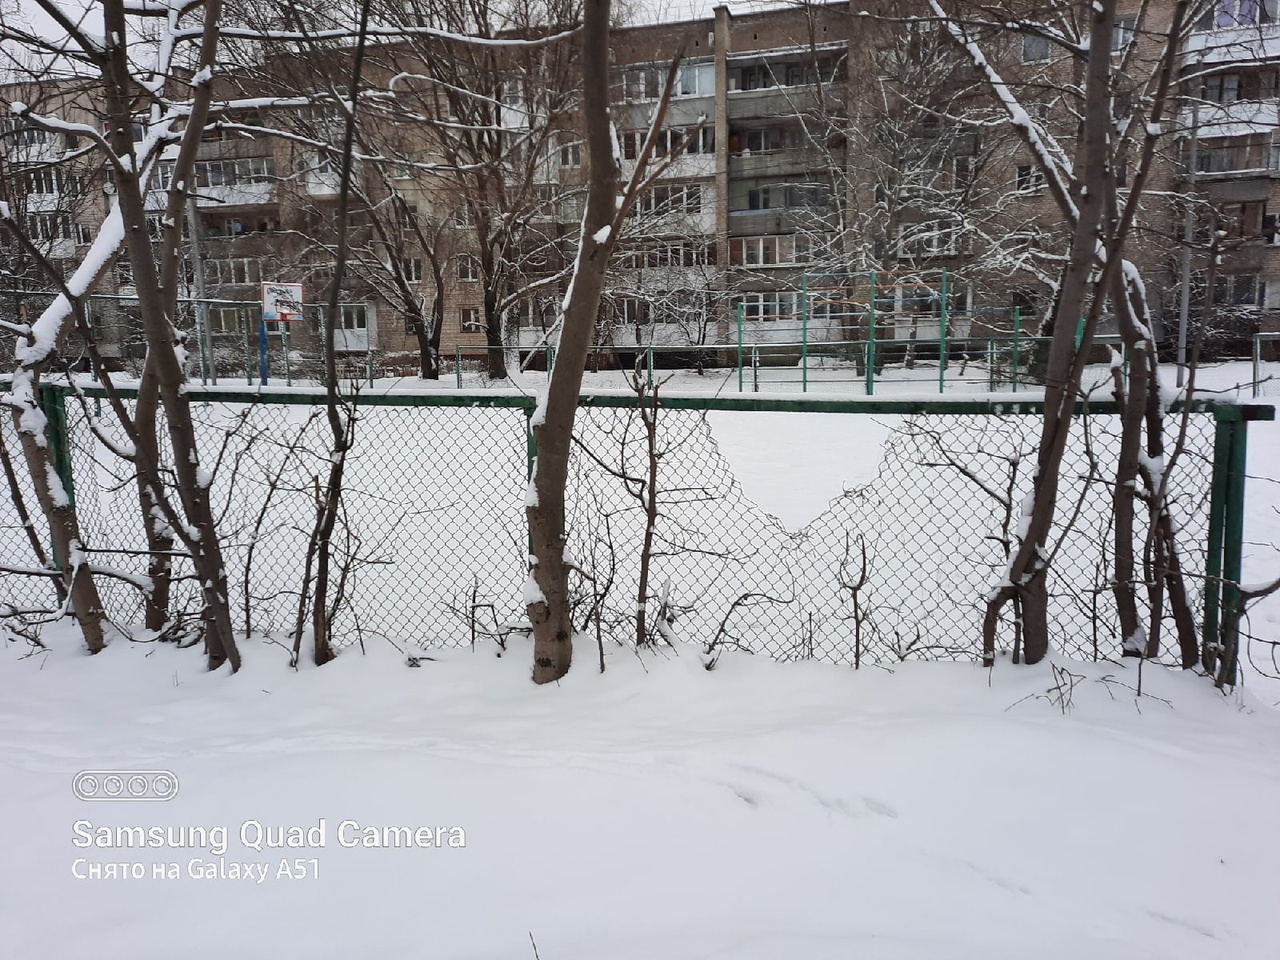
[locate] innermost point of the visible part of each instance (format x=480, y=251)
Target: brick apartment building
x=821, y=166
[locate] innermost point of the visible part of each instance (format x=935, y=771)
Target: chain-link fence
x=1266, y=365
x=434, y=545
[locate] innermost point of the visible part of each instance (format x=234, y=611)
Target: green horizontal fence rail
x=435, y=505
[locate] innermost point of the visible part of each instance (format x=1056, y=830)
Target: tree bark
x=157, y=299
x=64, y=531
x=548, y=605
x=158, y=532
x=1028, y=570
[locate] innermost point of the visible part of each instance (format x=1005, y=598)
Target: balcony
x=1238, y=119
x=236, y=195
x=1233, y=44
x=777, y=163
x=771, y=102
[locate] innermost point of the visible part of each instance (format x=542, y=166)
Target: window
x=468, y=267
x=1237, y=13
x=353, y=316
x=412, y=269
x=1218, y=159
x=931, y=238
x=683, y=252
x=1221, y=88
x=83, y=234
x=232, y=270
x=221, y=173
x=1241, y=290
x=571, y=154
x=633, y=310
x=1030, y=179
x=755, y=78
x=769, y=305
x=1034, y=48
x=747, y=195
x=642, y=83
x=631, y=141
x=758, y=251
x=667, y=198
x=224, y=320
x=49, y=226
x=463, y=216
x=696, y=80
x=45, y=180
x=1122, y=32
x=766, y=139
x=469, y=318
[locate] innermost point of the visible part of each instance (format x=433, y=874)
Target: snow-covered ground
x=660, y=810
x=758, y=810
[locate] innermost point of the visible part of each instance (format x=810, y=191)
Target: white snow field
x=756, y=811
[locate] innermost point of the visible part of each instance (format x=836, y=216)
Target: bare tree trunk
x=648, y=406
x=1028, y=570
x=24, y=516
x=553, y=423
x=158, y=532
x=157, y=298
x=340, y=413
x=493, y=337
x=64, y=531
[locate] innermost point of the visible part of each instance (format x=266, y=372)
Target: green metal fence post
x=52, y=400
x=740, y=347
x=871, y=338
x=368, y=362
x=200, y=340
x=1257, y=363
x=755, y=368
x=1017, y=334
x=248, y=358
x=804, y=333
x=1233, y=546
x=942, y=337
x=531, y=457
x=53, y=404
x=649, y=365
x=1223, y=442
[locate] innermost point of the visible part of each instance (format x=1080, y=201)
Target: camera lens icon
x=125, y=785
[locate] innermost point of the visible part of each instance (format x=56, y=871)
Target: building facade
x=820, y=170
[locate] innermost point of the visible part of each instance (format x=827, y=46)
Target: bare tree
x=148, y=110
x=1082, y=178
x=547, y=590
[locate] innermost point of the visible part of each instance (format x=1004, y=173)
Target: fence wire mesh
x=435, y=545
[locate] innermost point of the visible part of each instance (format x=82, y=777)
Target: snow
x=754, y=811
x=57, y=492
x=602, y=235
